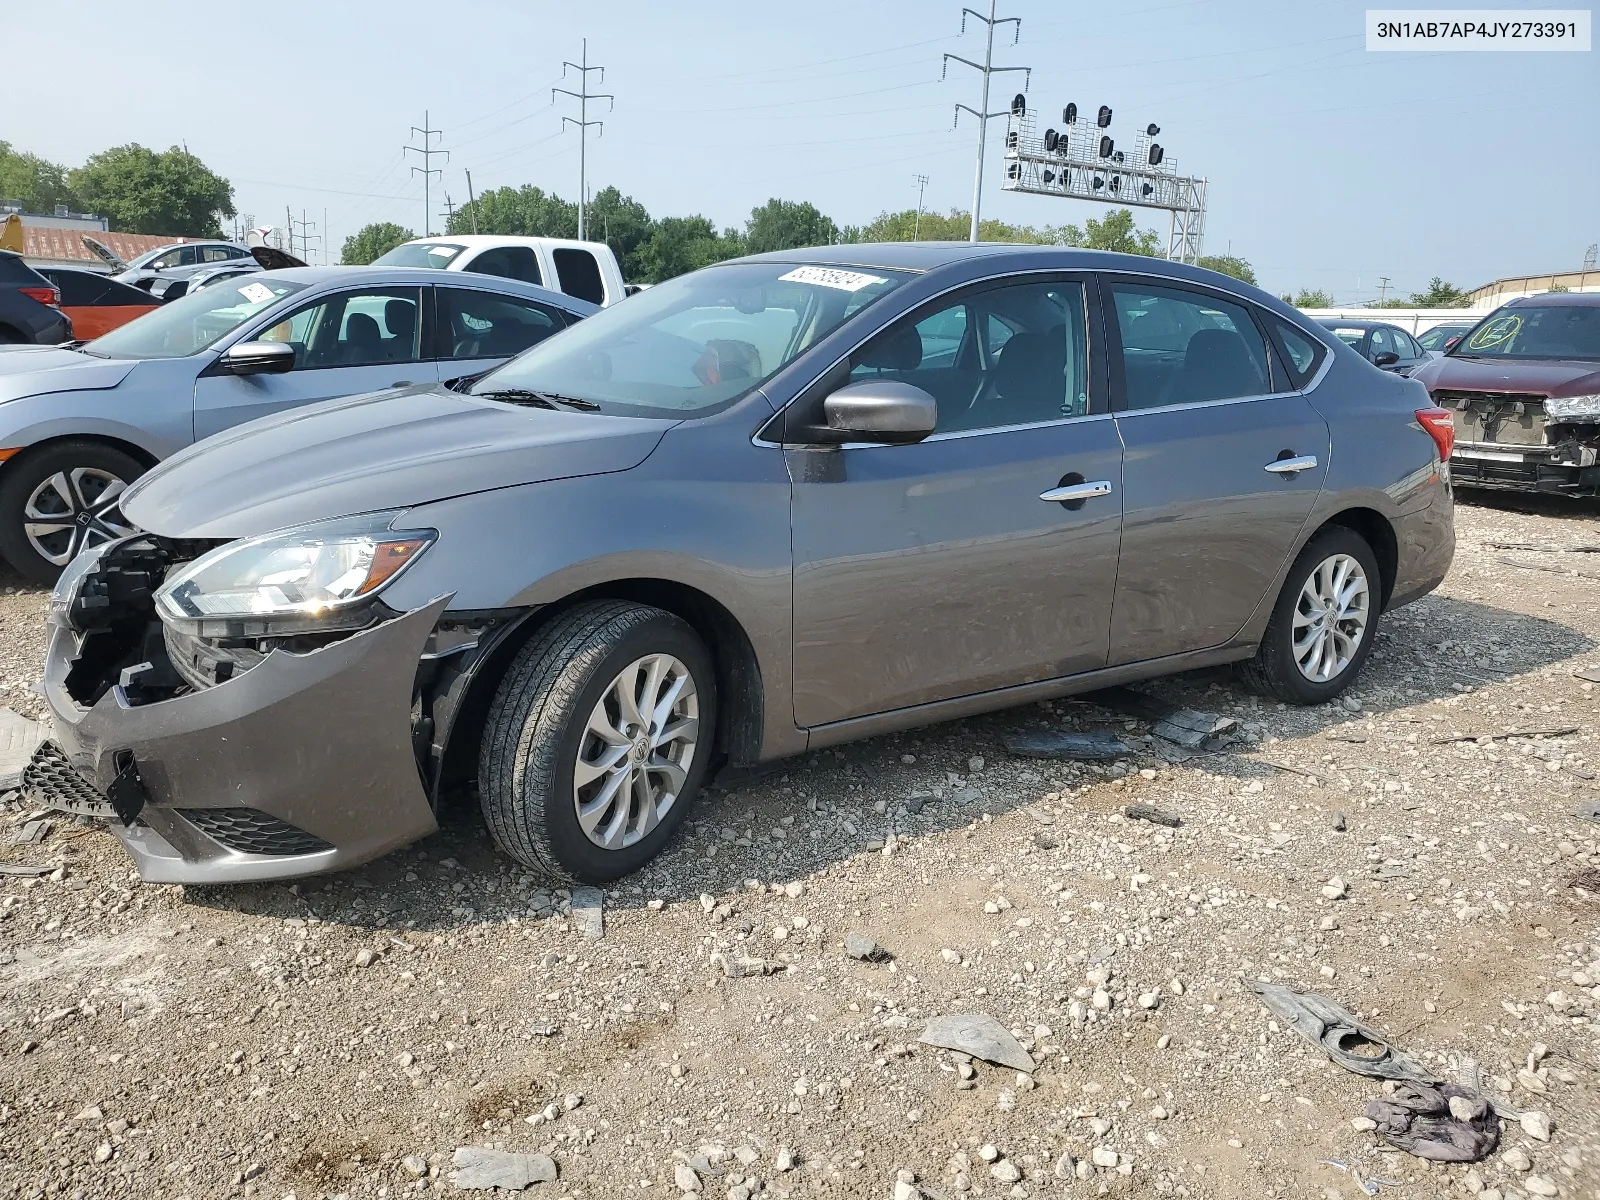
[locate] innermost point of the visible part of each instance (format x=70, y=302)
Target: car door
x=346, y=342
x=1221, y=466
x=956, y=565
x=479, y=329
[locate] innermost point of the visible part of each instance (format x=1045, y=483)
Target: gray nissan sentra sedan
x=773, y=505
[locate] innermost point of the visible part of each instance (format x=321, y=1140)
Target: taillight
x=44, y=295
x=1441, y=428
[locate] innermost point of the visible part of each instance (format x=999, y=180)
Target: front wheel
x=60, y=499
x=597, y=741
x=1323, y=624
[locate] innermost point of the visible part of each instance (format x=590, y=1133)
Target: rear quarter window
x=1301, y=353
x=580, y=275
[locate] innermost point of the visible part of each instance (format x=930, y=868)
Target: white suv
x=587, y=270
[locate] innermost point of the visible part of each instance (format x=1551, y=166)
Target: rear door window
x=1183, y=347
x=475, y=324
x=580, y=275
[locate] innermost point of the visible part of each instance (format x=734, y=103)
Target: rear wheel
x=57, y=500
x=1323, y=624
x=10, y=337
x=597, y=741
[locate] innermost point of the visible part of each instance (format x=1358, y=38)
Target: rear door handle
x=1292, y=466
x=1077, y=491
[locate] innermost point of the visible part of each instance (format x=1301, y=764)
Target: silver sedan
x=79, y=423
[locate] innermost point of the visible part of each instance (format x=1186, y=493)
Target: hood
x=104, y=253
x=390, y=449
x=270, y=258
x=30, y=370
x=1546, y=377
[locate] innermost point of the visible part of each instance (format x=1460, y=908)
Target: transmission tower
x=427, y=170
x=583, y=96
x=1590, y=255
x=987, y=68
x=304, y=237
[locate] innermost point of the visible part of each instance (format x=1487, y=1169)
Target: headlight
x=317, y=577
x=1564, y=408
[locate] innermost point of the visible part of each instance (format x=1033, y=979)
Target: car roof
x=359, y=276
x=1335, y=323
x=479, y=241
x=1565, y=299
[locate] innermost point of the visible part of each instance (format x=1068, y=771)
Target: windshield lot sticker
x=845, y=281
x=1496, y=332
x=256, y=293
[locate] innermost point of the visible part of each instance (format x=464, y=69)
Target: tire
x=539, y=723
x=1276, y=669
x=84, y=473
x=10, y=337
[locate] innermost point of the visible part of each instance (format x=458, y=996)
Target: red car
x=1524, y=387
x=96, y=304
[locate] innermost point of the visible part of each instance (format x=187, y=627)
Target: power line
x=583, y=97
x=982, y=112
x=427, y=170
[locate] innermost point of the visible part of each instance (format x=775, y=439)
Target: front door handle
x=1292, y=465
x=1077, y=492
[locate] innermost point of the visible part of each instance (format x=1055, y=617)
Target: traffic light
x=1104, y=118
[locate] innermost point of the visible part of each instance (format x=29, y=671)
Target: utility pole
x=427, y=169
x=305, y=239
x=922, y=186
x=449, y=213
x=472, y=201
x=982, y=112
x=1383, y=290
x=288, y=227
x=583, y=97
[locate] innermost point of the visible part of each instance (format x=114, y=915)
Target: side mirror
x=881, y=410
x=257, y=358
x=1385, y=358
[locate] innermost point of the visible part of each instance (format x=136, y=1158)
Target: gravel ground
x=344, y=1037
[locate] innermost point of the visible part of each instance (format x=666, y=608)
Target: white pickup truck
x=587, y=270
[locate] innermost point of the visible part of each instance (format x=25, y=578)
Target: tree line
x=1439, y=295
x=652, y=249
x=137, y=189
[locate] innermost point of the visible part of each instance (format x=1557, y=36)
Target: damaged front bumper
x=302, y=764
x=1511, y=442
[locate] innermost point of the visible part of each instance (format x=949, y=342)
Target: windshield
x=148, y=257
x=1535, y=331
x=421, y=254
x=1436, y=337
x=189, y=325
x=696, y=343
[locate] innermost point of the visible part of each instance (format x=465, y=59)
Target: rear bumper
x=301, y=765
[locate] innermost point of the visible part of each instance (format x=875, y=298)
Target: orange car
x=96, y=304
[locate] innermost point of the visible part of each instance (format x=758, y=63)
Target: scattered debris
x=23, y=869
x=979, y=1035
x=1567, y=571
x=1341, y=823
x=544, y=1029
x=477, y=1167
x=1587, y=674
x=1186, y=727
x=1588, y=881
x=19, y=738
x=1355, y=737
x=742, y=966
x=1149, y=812
x=1590, y=811
x=1343, y=1037
x=1553, y=731
x=29, y=832
x=588, y=912
x=1099, y=746
x=1451, y=1123
x=859, y=945
x=1288, y=768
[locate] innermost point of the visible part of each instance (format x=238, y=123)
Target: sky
x=1329, y=167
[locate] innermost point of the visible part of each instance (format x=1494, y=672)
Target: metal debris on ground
x=1149, y=812
x=1186, y=727
x=588, y=913
x=29, y=832
x=1341, y=1035
x=23, y=869
x=1451, y=1123
x=1098, y=746
x=979, y=1035
x=478, y=1167
x=1288, y=768
x=19, y=738
x=1553, y=731
x=1587, y=674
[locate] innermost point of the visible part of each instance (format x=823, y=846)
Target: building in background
x=56, y=239
x=1493, y=295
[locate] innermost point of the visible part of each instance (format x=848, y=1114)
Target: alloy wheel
x=1330, y=618
x=73, y=509
x=636, y=750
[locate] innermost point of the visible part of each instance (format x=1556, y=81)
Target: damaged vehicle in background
x=1523, y=388
x=769, y=506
